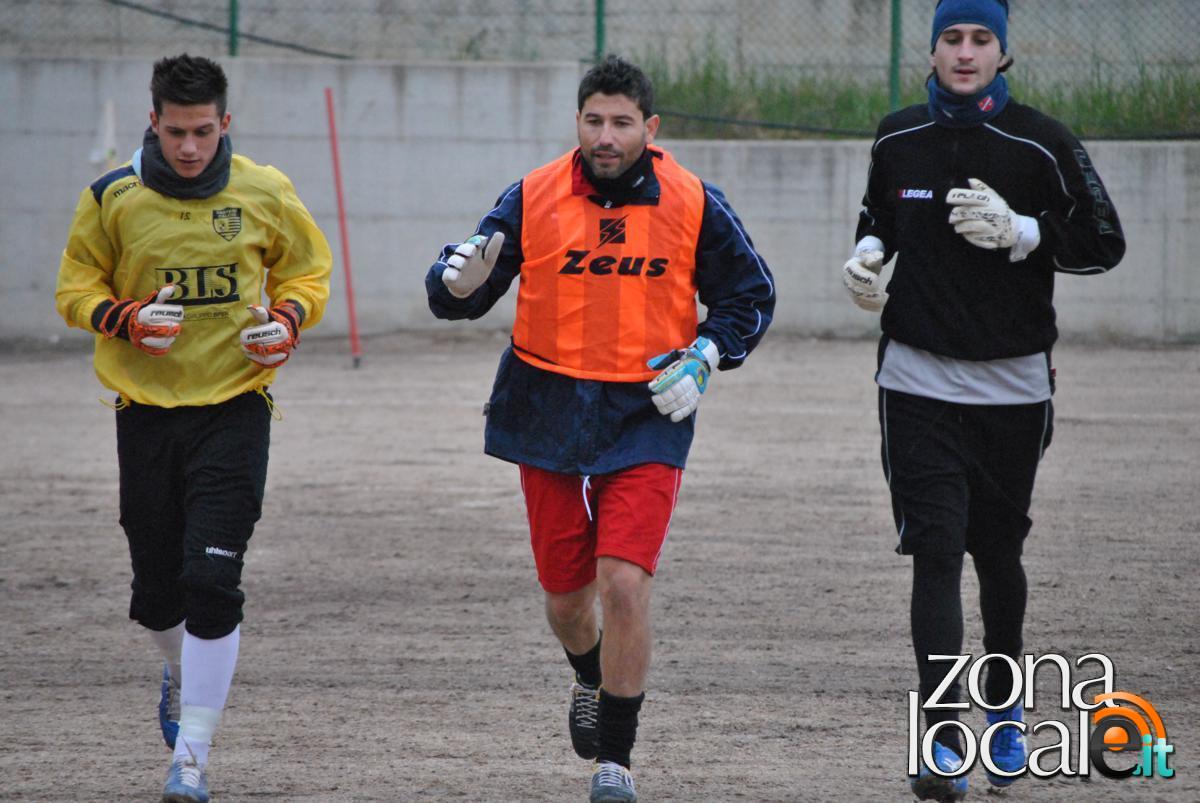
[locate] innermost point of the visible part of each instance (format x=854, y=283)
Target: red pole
x=355, y=345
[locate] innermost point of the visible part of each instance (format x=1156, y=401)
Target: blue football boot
x=1008, y=744
x=168, y=708
x=187, y=782
x=930, y=786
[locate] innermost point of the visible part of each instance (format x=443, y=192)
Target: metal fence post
x=894, y=68
x=233, y=27
x=599, y=31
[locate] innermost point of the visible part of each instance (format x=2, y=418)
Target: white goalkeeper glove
x=985, y=220
x=471, y=263
x=277, y=332
x=150, y=324
x=860, y=275
x=684, y=378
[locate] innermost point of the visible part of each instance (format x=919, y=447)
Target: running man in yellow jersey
x=168, y=260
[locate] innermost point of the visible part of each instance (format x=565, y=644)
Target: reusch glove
x=270, y=343
x=471, y=263
x=149, y=324
x=985, y=220
x=684, y=378
x=860, y=276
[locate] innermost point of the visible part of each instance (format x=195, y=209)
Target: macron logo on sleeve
x=920, y=195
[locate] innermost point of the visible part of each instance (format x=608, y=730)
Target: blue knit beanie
x=991, y=14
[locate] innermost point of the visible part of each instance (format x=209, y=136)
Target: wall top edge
x=308, y=61
x=856, y=142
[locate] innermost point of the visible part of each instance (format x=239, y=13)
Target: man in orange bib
x=595, y=399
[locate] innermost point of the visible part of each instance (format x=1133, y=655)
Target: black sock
x=617, y=727
x=1003, y=592
x=937, y=629
x=587, y=666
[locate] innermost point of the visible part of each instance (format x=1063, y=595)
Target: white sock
x=170, y=644
x=208, y=666
x=197, y=725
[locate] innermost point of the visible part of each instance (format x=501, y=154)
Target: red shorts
x=573, y=520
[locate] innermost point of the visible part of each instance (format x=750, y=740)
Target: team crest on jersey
x=986, y=104
x=920, y=195
x=227, y=222
x=612, y=230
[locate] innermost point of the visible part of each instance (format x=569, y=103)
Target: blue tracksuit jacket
x=579, y=426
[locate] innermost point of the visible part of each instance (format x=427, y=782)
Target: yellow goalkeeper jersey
x=221, y=253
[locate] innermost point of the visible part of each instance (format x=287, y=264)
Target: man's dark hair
x=188, y=81
x=616, y=76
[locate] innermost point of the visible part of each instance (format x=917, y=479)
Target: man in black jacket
x=982, y=200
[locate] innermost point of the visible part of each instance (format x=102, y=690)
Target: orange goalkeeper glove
x=149, y=324
x=270, y=343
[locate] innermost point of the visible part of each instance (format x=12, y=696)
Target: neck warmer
x=625, y=187
x=963, y=111
x=152, y=168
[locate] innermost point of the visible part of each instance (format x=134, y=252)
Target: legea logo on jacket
x=920, y=195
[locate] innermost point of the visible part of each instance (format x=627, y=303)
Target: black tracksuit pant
x=961, y=479
x=192, y=481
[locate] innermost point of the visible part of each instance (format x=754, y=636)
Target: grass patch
x=1150, y=102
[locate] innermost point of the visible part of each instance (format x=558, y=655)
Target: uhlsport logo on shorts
x=1117, y=733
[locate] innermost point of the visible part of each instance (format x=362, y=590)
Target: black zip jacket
x=956, y=299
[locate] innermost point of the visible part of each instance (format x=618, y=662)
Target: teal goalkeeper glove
x=684, y=378
x=471, y=263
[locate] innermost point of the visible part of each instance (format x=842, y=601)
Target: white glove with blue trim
x=684, y=378
x=471, y=263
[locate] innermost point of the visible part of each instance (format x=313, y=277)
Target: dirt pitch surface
x=394, y=646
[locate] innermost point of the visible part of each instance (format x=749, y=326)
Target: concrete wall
x=426, y=148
